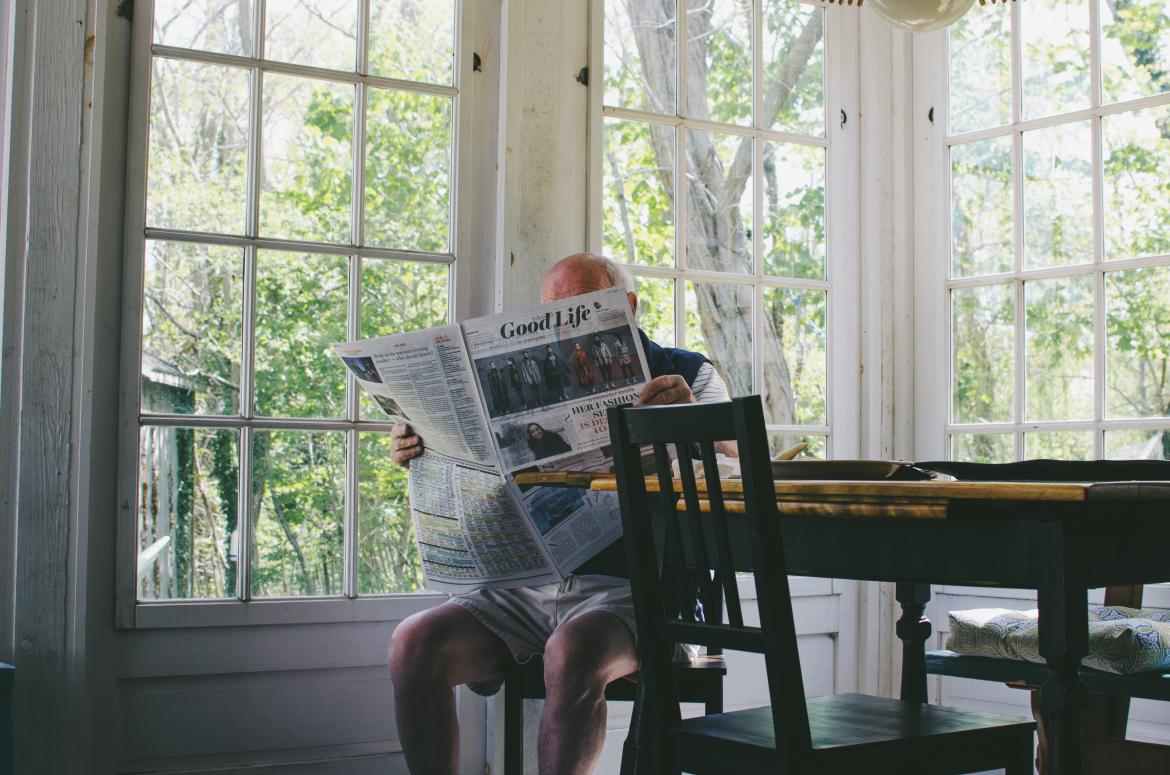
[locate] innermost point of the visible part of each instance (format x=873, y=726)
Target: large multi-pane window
x=715, y=193
x=1058, y=285
x=297, y=184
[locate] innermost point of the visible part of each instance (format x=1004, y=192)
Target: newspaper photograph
x=491, y=397
x=547, y=374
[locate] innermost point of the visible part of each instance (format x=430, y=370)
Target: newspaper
x=497, y=396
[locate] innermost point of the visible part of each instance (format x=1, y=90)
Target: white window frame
x=933, y=357
x=842, y=208
x=462, y=301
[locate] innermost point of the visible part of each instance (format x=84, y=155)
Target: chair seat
x=847, y=724
x=1148, y=686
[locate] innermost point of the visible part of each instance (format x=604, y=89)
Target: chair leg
x=630, y=748
x=714, y=701
x=513, y=729
x=1023, y=760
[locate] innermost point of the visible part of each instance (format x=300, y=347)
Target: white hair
x=619, y=275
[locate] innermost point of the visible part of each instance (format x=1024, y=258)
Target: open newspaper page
x=547, y=375
x=469, y=529
x=424, y=378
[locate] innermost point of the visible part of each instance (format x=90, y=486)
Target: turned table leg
x=1064, y=642
x=913, y=630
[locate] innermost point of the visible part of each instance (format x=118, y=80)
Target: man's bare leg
x=430, y=653
x=580, y=659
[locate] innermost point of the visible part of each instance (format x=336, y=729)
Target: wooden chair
x=826, y=735
x=699, y=681
x=1103, y=722
x=7, y=680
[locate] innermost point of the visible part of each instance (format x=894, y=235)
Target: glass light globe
x=920, y=15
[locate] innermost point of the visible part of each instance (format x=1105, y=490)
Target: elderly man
x=583, y=627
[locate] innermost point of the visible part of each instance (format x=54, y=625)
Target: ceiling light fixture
x=919, y=15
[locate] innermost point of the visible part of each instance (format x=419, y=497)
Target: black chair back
x=697, y=539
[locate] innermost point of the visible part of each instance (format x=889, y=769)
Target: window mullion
x=350, y=536
x=244, y=518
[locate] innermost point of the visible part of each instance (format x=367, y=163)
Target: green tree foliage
x=1058, y=314
x=193, y=321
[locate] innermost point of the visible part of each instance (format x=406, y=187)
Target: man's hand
x=405, y=445
x=668, y=389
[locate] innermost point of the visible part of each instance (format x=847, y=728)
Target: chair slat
x=674, y=559
x=694, y=517
x=749, y=639
x=726, y=572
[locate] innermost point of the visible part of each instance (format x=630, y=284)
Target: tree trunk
x=716, y=238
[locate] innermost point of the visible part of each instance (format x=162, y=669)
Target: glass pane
x=210, y=25
x=983, y=447
x=1059, y=445
x=794, y=210
x=1135, y=49
x=981, y=207
x=321, y=33
x=779, y=441
x=794, y=67
x=1137, y=183
x=408, y=171
x=981, y=70
x=1138, y=444
x=719, y=325
x=192, y=307
x=387, y=554
x=307, y=160
x=197, y=169
x=656, y=309
x=719, y=202
x=1058, y=196
x=187, y=510
x=1055, y=39
x=298, y=497
x=300, y=311
x=1137, y=353
x=400, y=296
x=413, y=40
x=983, y=340
x=637, y=198
x=719, y=35
x=794, y=356
x=1058, y=317
x=640, y=56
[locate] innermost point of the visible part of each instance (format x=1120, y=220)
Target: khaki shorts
x=525, y=618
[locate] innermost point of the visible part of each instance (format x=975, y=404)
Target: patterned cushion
x=1121, y=640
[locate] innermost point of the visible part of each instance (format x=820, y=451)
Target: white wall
x=545, y=142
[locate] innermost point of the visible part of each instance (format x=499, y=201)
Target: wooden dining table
x=1061, y=539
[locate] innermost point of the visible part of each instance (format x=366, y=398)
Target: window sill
x=234, y=613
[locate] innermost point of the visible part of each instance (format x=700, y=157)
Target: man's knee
x=444, y=645
x=579, y=661
x=412, y=646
